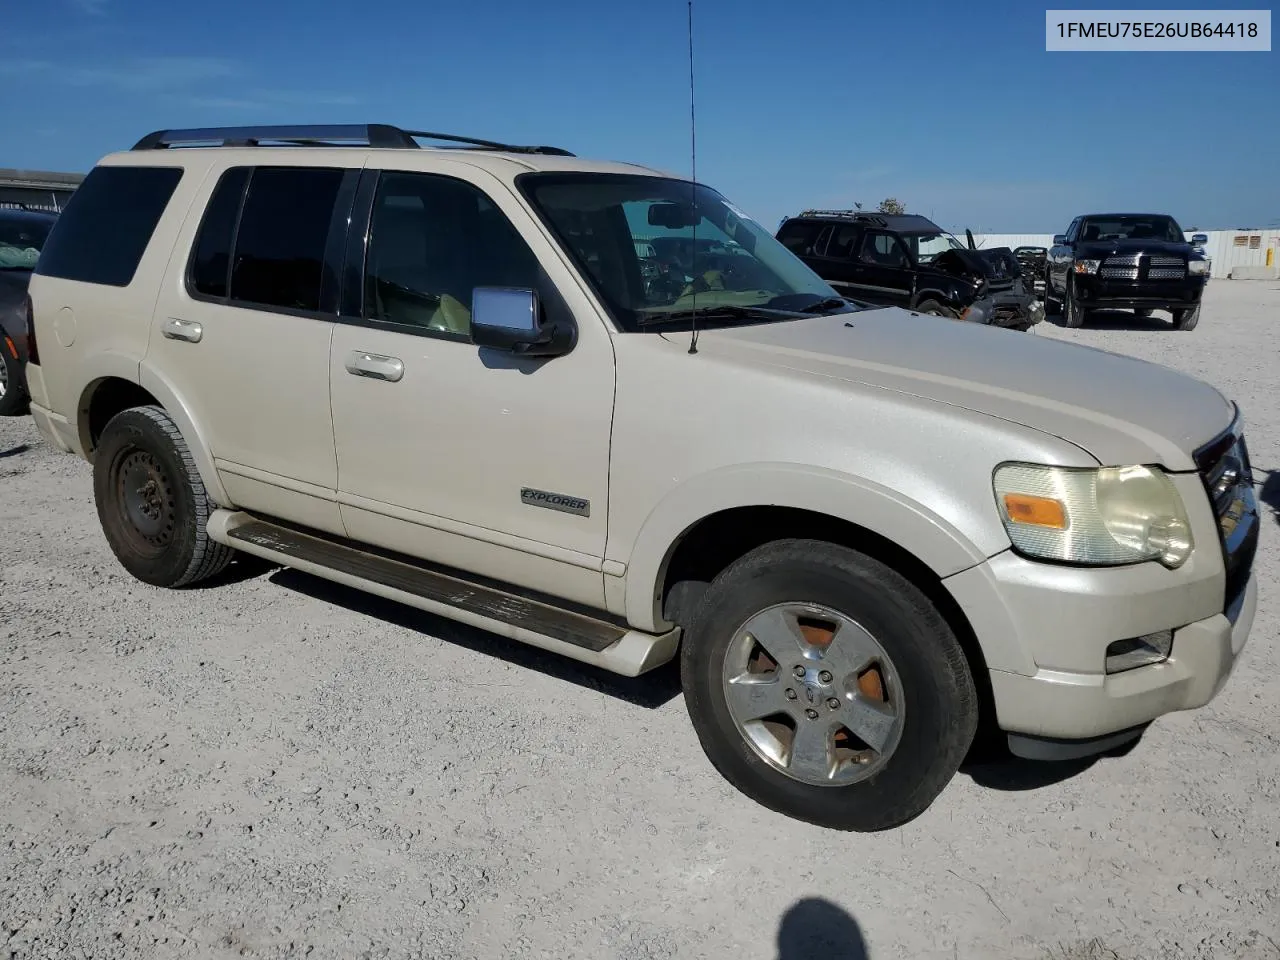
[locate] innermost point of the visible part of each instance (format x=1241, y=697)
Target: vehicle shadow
x=651, y=690
x=1119, y=320
x=1269, y=493
x=15, y=451
x=814, y=927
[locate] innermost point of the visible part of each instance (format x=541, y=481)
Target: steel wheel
x=147, y=502
x=4, y=379
x=814, y=694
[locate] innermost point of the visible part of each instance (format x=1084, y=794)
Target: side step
x=601, y=643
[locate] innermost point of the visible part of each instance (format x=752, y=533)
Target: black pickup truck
x=906, y=260
x=1125, y=261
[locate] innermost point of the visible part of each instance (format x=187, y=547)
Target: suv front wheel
x=151, y=501
x=826, y=686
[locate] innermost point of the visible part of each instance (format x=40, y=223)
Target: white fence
x=1226, y=248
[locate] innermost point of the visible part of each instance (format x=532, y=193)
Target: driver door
x=884, y=269
x=443, y=448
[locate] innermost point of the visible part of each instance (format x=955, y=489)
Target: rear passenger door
x=242, y=329
x=837, y=264
x=884, y=269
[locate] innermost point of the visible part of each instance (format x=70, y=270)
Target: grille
x=1124, y=267
x=1228, y=479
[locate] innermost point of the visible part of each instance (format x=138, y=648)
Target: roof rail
x=378, y=135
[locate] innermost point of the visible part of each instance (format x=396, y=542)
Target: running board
x=611, y=646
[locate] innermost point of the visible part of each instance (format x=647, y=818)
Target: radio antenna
x=693, y=173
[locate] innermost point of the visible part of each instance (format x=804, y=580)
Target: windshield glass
x=21, y=240
x=926, y=246
x=654, y=246
x=1131, y=228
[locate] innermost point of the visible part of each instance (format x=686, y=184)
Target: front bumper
x=1017, y=310
x=1082, y=706
x=1045, y=628
x=1098, y=293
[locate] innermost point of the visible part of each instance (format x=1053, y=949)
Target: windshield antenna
x=693, y=173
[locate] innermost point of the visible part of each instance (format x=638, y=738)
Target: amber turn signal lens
x=1035, y=511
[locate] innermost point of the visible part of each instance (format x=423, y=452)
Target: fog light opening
x=1139, y=651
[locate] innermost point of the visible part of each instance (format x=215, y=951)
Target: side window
x=284, y=228
x=798, y=236
x=882, y=250
x=1073, y=230
x=104, y=231
x=842, y=240
x=211, y=257
x=432, y=241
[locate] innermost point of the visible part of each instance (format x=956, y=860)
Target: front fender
x=170, y=397
x=920, y=531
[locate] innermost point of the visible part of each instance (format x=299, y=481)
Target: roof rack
x=847, y=215
x=378, y=135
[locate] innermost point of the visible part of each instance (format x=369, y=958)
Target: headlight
x=1095, y=517
x=1087, y=266
x=976, y=313
x=1197, y=267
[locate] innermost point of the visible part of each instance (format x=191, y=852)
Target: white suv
x=441, y=375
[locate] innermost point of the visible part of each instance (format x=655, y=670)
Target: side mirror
x=510, y=319
x=1199, y=239
x=1059, y=239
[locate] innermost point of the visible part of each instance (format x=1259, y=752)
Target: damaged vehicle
x=1033, y=261
x=906, y=260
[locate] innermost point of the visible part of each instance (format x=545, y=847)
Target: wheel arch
x=772, y=495
x=118, y=389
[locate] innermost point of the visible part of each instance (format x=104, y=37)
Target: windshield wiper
x=724, y=312
x=828, y=304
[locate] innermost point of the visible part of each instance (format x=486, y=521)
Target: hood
x=1119, y=409
x=1100, y=249
x=997, y=263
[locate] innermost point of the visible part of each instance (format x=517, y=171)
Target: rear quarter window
x=104, y=231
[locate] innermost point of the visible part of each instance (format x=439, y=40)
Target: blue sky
x=954, y=108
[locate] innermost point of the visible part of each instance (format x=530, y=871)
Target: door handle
x=361, y=364
x=187, y=330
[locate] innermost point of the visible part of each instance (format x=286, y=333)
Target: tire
x=920, y=699
x=1142, y=312
x=1051, y=306
x=13, y=393
x=935, y=309
x=1073, y=314
x=1186, y=319
x=152, y=503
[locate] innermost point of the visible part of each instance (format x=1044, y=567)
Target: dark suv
x=22, y=237
x=1125, y=261
x=906, y=260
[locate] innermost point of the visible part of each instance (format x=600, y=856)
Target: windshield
x=654, y=247
x=1131, y=228
x=21, y=240
x=926, y=246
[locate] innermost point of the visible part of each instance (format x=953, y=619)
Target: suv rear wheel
x=825, y=686
x=13, y=398
x=152, y=502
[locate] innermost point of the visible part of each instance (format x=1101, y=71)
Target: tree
x=892, y=205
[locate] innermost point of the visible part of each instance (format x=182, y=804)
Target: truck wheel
x=1186, y=319
x=13, y=398
x=1073, y=313
x=935, y=309
x=151, y=501
x=1051, y=306
x=825, y=686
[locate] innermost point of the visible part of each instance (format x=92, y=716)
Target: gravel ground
x=276, y=767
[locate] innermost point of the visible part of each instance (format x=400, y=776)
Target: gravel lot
x=277, y=767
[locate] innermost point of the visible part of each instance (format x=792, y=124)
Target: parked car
x=1033, y=260
x=435, y=375
x=1125, y=261
x=22, y=236
x=907, y=260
